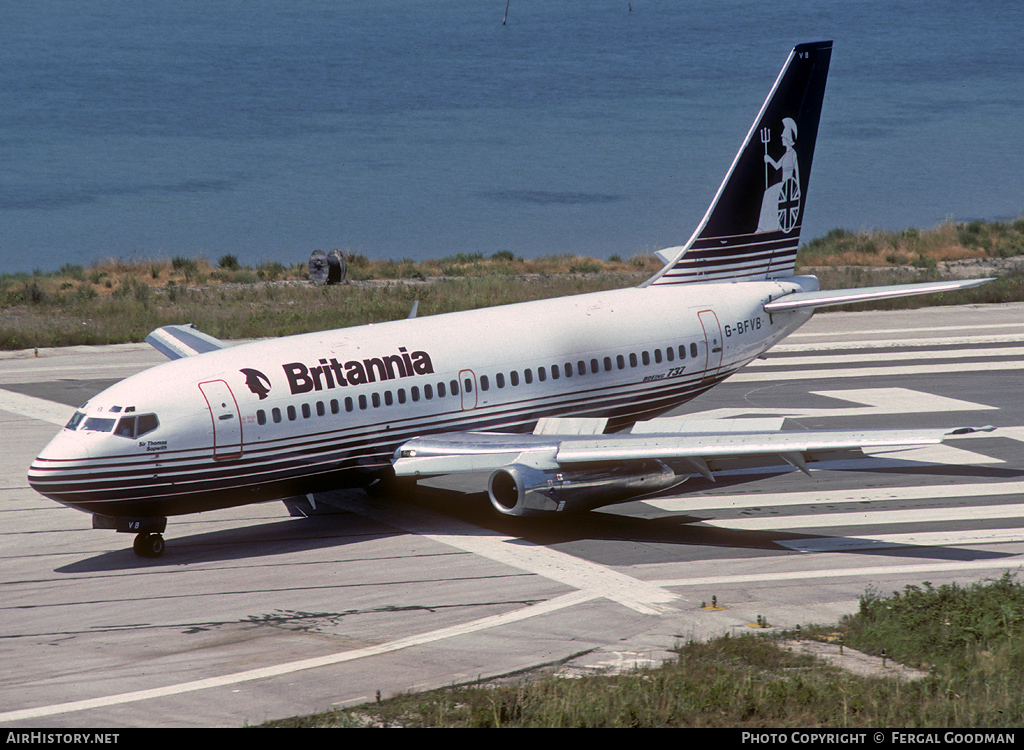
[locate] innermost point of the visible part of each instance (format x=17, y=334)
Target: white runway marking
x=875, y=372
x=833, y=497
x=876, y=518
x=913, y=569
x=569, y=600
x=920, y=539
x=872, y=401
x=907, y=329
x=801, y=361
x=599, y=581
x=35, y=408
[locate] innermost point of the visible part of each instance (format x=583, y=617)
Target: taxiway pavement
x=253, y=615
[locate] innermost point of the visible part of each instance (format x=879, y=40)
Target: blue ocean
x=413, y=129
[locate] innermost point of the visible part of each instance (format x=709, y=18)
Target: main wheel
x=149, y=545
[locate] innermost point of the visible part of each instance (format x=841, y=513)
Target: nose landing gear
x=149, y=541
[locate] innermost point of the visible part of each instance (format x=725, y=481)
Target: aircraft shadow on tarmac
x=659, y=535
x=257, y=540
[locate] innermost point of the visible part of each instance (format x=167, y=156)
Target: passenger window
x=632, y=359
x=646, y=358
x=581, y=367
x=455, y=387
x=527, y=376
x=362, y=401
x=401, y=395
x=693, y=350
x=500, y=379
x=320, y=408
x=415, y=392
x=542, y=374
x=375, y=399
x=568, y=370
x=335, y=406
x=306, y=411
x=441, y=391
x=349, y=406
x=513, y=377
x=291, y=414
x=594, y=367
x=276, y=414
x=682, y=351
x=468, y=383
x=554, y=372
x=669, y=353
x=484, y=383
x=261, y=417
x=620, y=362
x=388, y=398
x=657, y=356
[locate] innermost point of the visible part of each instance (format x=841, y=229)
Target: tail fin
x=752, y=228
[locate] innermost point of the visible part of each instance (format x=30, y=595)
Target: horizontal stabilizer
x=176, y=342
x=804, y=300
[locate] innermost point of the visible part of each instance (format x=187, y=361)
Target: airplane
x=558, y=400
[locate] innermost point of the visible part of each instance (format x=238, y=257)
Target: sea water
x=412, y=129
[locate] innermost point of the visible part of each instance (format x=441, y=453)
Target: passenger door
x=227, y=425
x=712, y=341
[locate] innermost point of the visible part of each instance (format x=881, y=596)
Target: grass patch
x=117, y=301
x=970, y=637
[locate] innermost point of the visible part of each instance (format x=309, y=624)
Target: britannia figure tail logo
x=780, y=206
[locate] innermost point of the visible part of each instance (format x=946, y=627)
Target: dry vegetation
x=115, y=301
x=968, y=640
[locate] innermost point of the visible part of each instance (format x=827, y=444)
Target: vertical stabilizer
x=752, y=228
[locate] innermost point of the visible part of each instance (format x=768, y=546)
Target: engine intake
x=521, y=490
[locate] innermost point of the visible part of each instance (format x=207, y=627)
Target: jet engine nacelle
x=521, y=490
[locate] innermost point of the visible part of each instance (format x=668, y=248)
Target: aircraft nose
x=58, y=463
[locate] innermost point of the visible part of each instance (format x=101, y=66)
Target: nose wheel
x=149, y=545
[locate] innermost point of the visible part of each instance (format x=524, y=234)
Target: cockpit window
x=146, y=423
x=75, y=421
x=133, y=427
x=98, y=424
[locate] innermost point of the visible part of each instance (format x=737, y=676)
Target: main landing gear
x=149, y=545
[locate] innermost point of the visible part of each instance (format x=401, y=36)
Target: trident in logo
x=766, y=136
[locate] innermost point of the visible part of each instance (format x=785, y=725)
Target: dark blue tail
x=752, y=228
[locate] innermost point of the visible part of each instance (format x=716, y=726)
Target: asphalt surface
x=253, y=615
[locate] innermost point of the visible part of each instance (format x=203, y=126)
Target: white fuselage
x=287, y=416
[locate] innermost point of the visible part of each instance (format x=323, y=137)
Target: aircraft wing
x=801, y=300
x=693, y=445
x=176, y=342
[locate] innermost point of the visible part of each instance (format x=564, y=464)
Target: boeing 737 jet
x=557, y=401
